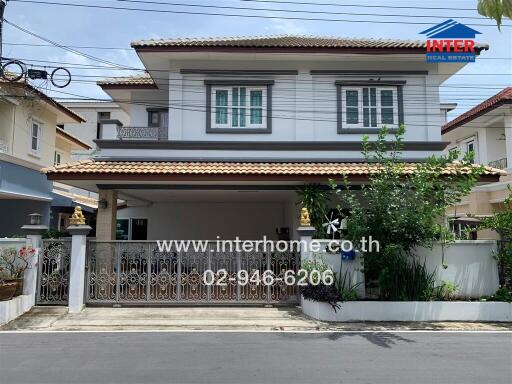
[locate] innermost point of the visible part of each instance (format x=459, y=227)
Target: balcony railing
x=499, y=164
x=142, y=133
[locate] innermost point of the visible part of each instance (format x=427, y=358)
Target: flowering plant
x=14, y=262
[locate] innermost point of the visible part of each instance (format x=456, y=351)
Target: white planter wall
x=11, y=309
x=409, y=311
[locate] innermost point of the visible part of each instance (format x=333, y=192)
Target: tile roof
x=92, y=167
x=43, y=96
x=502, y=97
x=143, y=80
x=284, y=41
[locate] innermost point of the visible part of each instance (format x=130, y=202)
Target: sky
x=113, y=28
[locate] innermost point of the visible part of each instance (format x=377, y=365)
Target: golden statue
x=305, y=221
x=78, y=217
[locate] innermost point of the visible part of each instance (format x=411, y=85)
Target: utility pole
x=3, y=3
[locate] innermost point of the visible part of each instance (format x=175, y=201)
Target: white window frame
x=247, y=107
x=378, y=89
x=60, y=154
x=36, y=151
x=471, y=140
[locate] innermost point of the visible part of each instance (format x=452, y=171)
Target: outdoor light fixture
x=35, y=219
x=103, y=204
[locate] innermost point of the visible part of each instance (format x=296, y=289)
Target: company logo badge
x=450, y=42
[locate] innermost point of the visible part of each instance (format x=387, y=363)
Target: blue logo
x=450, y=42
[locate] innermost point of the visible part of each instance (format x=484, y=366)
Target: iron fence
x=138, y=273
x=53, y=272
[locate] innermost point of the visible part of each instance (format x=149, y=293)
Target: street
x=256, y=357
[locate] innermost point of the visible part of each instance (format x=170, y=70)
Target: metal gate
x=53, y=272
x=138, y=273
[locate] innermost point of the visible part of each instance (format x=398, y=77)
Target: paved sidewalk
x=211, y=318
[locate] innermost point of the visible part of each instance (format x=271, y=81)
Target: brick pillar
x=107, y=215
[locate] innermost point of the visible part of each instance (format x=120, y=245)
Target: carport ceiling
x=213, y=196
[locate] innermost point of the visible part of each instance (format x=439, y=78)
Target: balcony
x=142, y=133
x=499, y=164
x=114, y=130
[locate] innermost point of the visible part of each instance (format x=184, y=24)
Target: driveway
x=256, y=357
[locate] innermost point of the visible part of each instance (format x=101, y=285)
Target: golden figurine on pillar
x=305, y=221
x=78, y=217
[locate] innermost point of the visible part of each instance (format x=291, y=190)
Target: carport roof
x=154, y=170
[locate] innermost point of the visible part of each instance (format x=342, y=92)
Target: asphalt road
x=320, y=358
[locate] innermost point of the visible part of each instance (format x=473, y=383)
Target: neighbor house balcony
x=499, y=164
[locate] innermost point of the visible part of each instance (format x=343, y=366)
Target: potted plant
x=7, y=290
x=14, y=264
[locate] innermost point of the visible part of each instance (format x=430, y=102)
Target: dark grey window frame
x=153, y=110
x=399, y=84
x=238, y=83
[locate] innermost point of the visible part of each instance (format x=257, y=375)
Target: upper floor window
x=104, y=115
x=368, y=107
x=57, y=158
x=35, y=138
x=471, y=148
x=157, y=117
x=238, y=106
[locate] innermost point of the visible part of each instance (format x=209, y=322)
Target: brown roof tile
x=128, y=81
x=502, y=97
x=284, y=41
x=92, y=167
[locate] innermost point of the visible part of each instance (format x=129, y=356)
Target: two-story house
x=222, y=131
x=29, y=141
x=485, y=130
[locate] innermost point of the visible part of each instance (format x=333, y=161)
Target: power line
x=358, y=5
x=86, y=55
x=314, y=12
x=131, y=49
x=54, y=3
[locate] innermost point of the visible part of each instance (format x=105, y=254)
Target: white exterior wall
x=206, y=221
x=304, y=106
x=89, y=111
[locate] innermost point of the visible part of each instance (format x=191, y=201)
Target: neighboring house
x=222, y=131
x=28, y=137
x=93, y=112
x=445, y=109
x=486, y=130
x=65, y=197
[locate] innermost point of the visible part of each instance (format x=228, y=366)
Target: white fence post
x=34, y=233
x=305, y=236
x=77, y=266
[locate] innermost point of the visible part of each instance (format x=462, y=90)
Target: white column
x=508, y=138
x=34, y=240
x=305, y=236
x=481, y=156
x=77, y=267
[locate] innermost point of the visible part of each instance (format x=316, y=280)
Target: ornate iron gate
x=138, y=273
x=53, y=272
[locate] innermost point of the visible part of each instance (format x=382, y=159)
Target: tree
x=402, y=207
x=495, y=9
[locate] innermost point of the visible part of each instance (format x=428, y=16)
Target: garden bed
x=409, y=311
